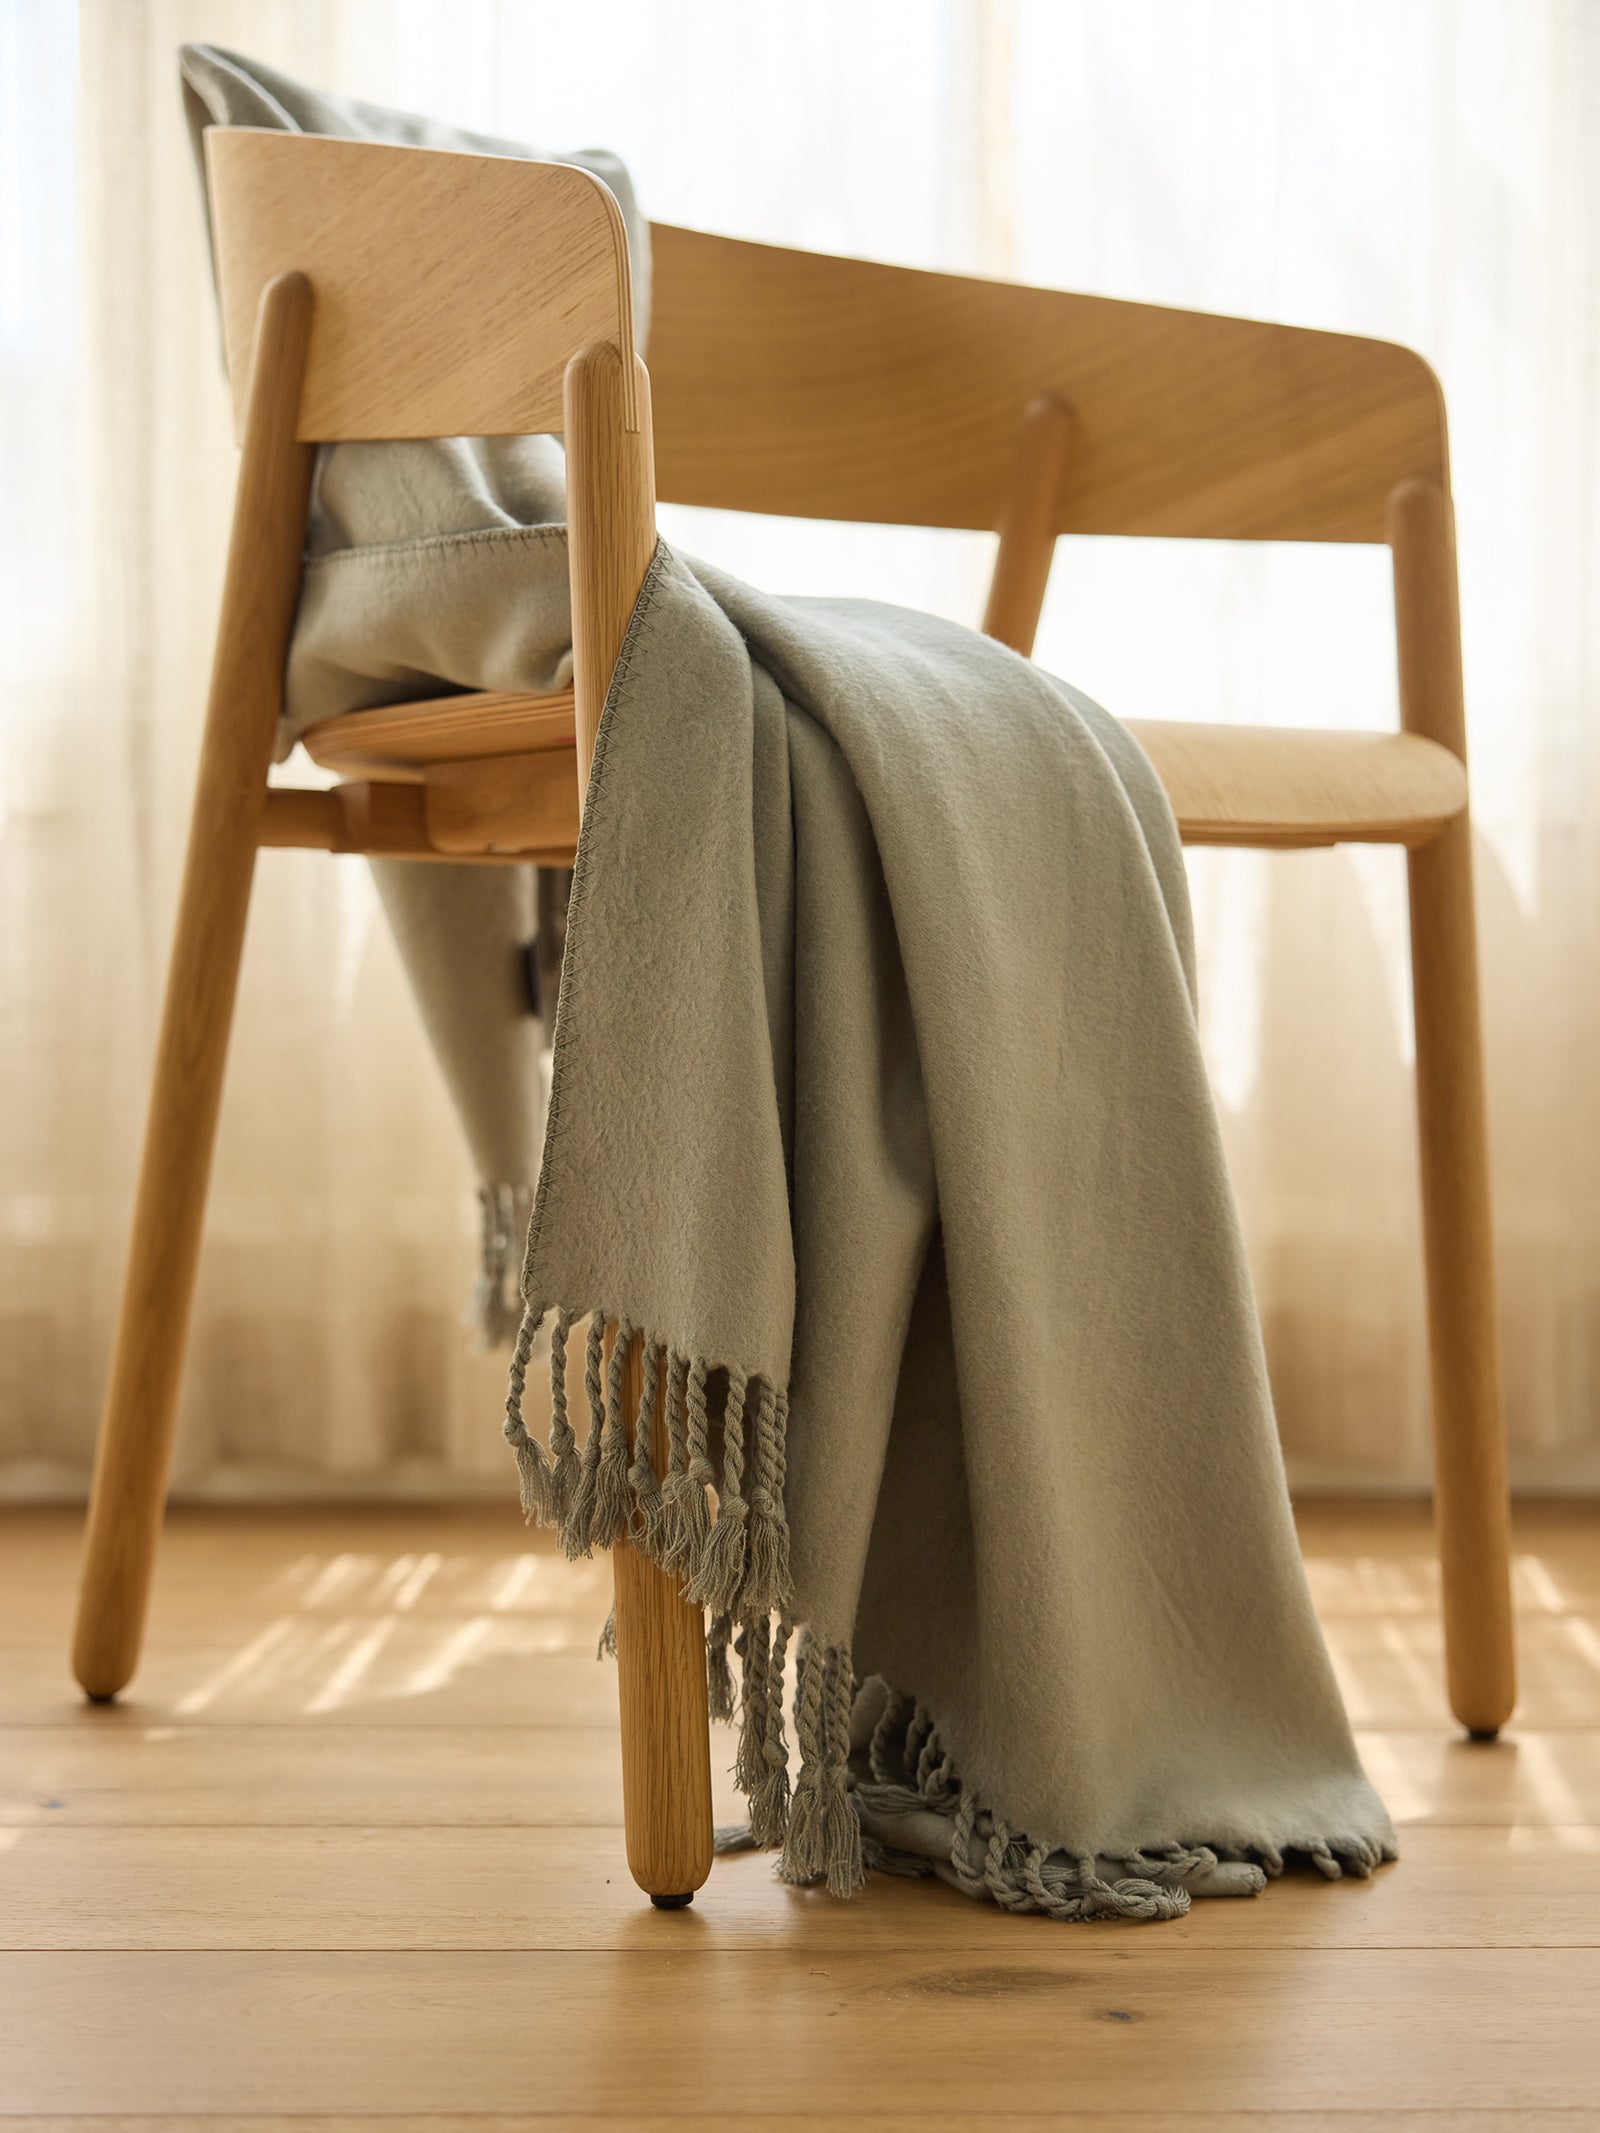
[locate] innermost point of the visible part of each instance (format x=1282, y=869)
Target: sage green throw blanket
x=878, y=1112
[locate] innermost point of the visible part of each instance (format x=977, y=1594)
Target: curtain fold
x=1428, y=172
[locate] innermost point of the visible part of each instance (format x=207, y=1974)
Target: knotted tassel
x=769, y=1800
x=578, y=1527
x=767, y=1580
x=649, y=1510
x=842, y=1829
x=688, y=1513
x=675, y=1482
x=754, y=1647
x=613, y=1507
x=721, y=1576
x=563, y=1445
x=805, y=1857
x=533, y=1469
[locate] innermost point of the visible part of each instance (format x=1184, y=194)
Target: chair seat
x=1243, y=785
x=400, y=740
x=1298, y=785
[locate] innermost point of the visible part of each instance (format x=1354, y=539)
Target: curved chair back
x=818, y=387
x=451, y=290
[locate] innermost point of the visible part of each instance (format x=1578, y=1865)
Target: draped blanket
x=878, y=1114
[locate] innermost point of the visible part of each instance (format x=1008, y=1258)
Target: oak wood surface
x=258, y=603
x=666, y=1772
x=386, y=818
x=664, y=1722
x=1028, y=516
x=242, y=1769
x=724, y=2033
x=518, y=803
x=509, y=1673
x=416, y=333
x=1288, y=785
x=818, y=387
x=1470, y=1489
x=329, y=1887
x=487, y=722
x=290, y=1880
x=1246, y=785
x=1427, y=2119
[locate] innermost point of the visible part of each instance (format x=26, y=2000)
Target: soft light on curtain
x=1426, y=171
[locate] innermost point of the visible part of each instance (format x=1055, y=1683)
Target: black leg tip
x=1483, y=1732
x=673, y=1903
x=92, y=1696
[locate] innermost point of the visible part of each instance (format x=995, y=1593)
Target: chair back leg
x=128, y=1496
x=1471, y=1507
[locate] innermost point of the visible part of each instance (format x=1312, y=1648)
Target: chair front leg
x=1471, y=1508
x=666, y=1728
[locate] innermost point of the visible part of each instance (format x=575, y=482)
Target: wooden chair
x=373, y=292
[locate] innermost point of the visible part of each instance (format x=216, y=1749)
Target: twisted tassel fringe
x=649, y=1508
x=836, y=1818
x=769, y=1796
x=909, y=1772
x=736, y=1564
x=718, y=1579
x=613, y=1505
x=767, y=1580
x=823, y=1838
x=577, y=1526
x=687, y=1525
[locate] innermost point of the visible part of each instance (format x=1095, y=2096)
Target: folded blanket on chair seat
x=878, y=1112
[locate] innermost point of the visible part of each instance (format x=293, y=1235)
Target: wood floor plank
x=1103, y=2019
x=250, y=1776
x=220, y=1569
x=480, y=1671
x=1391, y=1670
x=349, y=1858
x=520, y=1669
x=220, y=1573
x=505, y=1889
x=111, y=1768
x=1175, y=2121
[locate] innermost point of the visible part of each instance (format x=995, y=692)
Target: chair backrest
x=451, y=290
x=820, y=387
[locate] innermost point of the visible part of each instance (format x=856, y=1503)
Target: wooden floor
x=349, y=1853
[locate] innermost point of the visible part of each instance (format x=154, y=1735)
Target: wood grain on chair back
x=818, y=387
x=450, y=290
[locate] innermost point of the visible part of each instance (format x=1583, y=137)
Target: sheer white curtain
x=1421, y=169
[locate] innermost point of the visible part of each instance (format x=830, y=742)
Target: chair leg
x=1471, y=1509
x=1471, y=1512
x=666, y=1731
x=129, y=1490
